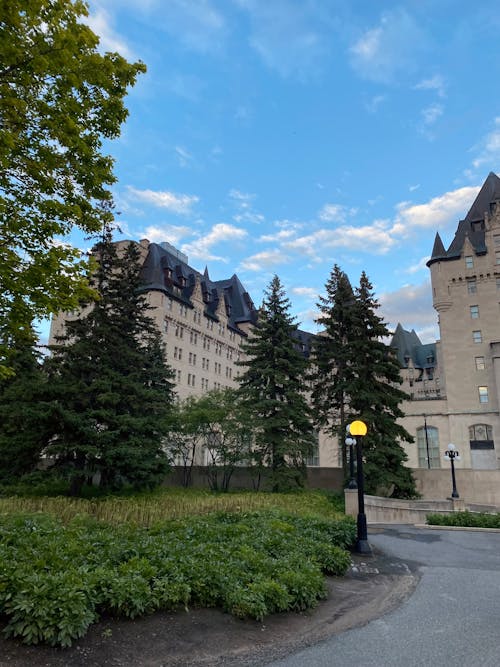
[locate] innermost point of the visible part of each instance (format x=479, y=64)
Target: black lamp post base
x=362, y=547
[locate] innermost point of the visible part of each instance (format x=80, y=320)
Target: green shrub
x=54, y=608
x=57, y=578
x=465, y=519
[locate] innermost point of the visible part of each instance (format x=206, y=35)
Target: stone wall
x=394, y=510
x=331, y=479
x=473, y=486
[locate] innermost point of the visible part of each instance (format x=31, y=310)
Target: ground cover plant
x=465, y=519
x=59, y=576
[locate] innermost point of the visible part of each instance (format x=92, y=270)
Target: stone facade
x=455, y=383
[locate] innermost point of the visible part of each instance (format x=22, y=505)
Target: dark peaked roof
x=472, y=226
x=489, y=193
x=438, y=249
x=164, y=271
x=408, y=347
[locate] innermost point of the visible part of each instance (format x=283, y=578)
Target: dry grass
x=148, y=509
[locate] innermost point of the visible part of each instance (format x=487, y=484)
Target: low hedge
x=465, y=519
x=56, y=579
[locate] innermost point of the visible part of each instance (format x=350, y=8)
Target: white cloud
x=336, y=212
x=264, y=260
x=374, y=239
x=249, y=216
x=171, y=233
x=243, y=203
x=282, y=235
x=431, y=113
x=489, y=149
x=243, y=198
x=419, y=266
x=412, y=306
x=390, y=48
x=100, y=23
x=185, y=158
x=200, y=248
x=308, y=292
x=439, y=212
x=436, y=83
x=176, y=203
x=412, y=188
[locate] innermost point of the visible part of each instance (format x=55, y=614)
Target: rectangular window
x=474, y=312
x=477, y=337
x=313, y=458
x=469, y=262
x=483, y=394
x=472, y=286
x=498, y=283
x=497, y=256
x=428, y=447
x=479, y=363
x=496, y=239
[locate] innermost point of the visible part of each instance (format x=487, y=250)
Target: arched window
x=481, y=436
x=428, y=441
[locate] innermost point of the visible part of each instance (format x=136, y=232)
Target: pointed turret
x=473, y=226
x=438, y=250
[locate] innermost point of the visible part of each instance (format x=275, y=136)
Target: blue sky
x=283, y=136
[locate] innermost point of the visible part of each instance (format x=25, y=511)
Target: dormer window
x=469, y=262
x=477, y=225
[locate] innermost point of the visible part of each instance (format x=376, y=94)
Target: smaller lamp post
x=452, y=455
x=350, y=442
x=358, y=429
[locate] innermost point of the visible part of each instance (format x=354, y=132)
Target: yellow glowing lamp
x=357, y=428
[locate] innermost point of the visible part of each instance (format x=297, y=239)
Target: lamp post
x=350, y=442
x=427, y=443
x=452, y=455
x=358, y=429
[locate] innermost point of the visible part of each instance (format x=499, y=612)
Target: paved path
x=451, y=620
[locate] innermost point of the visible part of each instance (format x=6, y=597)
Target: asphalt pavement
x=452, y=619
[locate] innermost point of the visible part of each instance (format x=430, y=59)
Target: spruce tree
x=375, y=398
x=112, y=388
x=24, y=412
x=271, y=388
x=332, y=365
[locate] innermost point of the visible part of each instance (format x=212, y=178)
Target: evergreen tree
x=272, y=387
x=375, y=398
x=111, y=386
x=355, y=376
x=24, y=414
x=332, y=369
